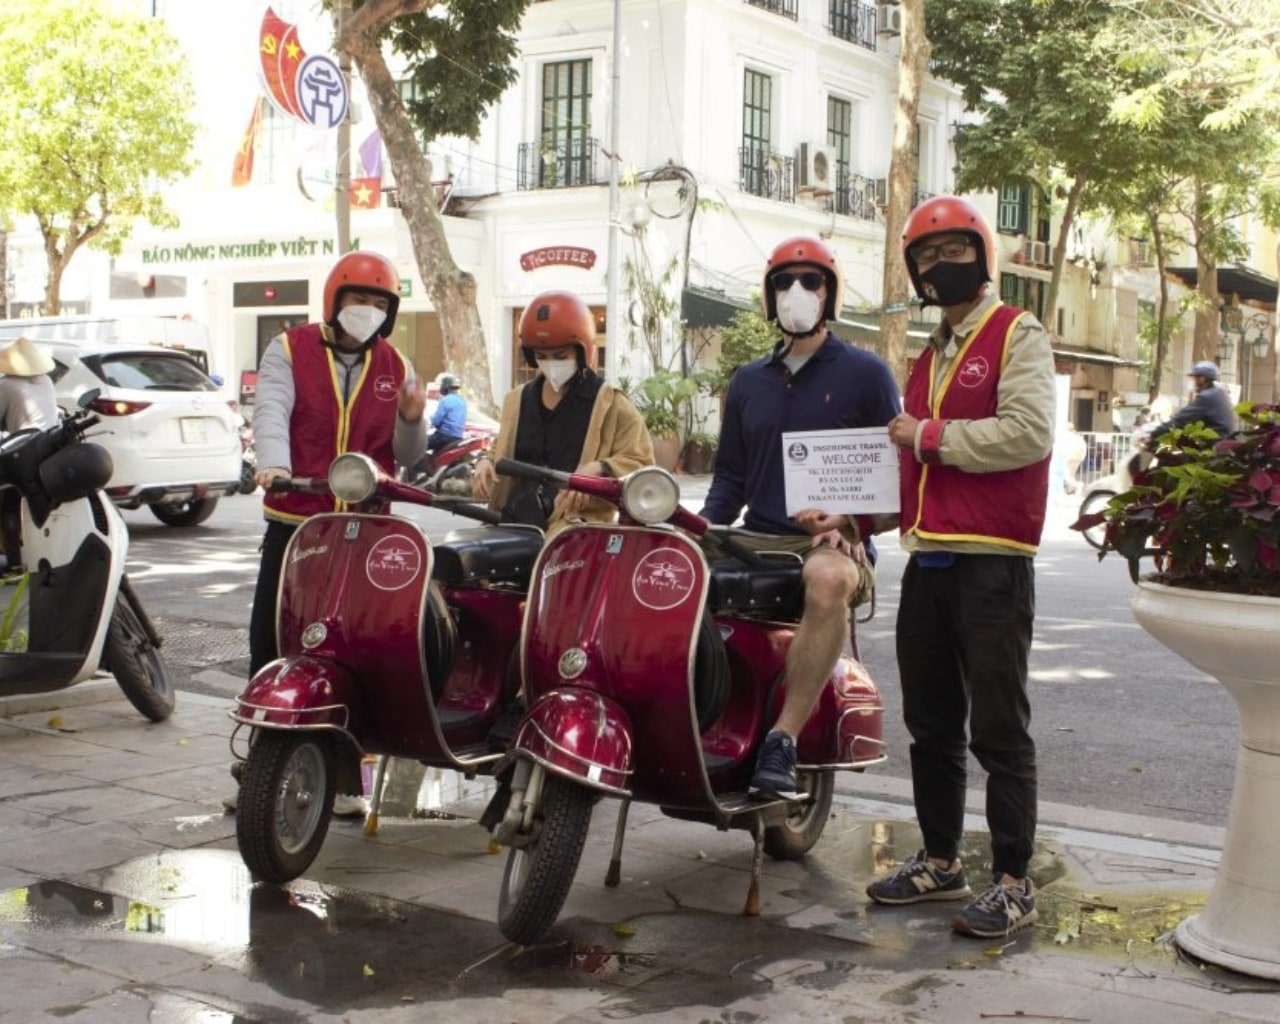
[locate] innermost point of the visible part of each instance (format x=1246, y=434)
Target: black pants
x=262, y=621
x=963, y=638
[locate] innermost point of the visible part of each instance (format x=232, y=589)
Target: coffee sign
x=558, y=255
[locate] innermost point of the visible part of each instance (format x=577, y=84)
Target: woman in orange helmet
x=566, y=418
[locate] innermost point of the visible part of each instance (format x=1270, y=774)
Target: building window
x=1012, y=210
x=785, y=8
x=761, y=168
x=566, y=148
x=840, y=139
x=1025, y=292
x=854, y=22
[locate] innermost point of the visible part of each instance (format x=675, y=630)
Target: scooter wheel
x=796, y=836
x=286, y=798
x=1095, y=501
x=140, y=671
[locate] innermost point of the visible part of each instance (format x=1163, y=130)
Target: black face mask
x=950, y=284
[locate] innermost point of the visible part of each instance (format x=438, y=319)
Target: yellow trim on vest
x=936, y=393
x=979, y=538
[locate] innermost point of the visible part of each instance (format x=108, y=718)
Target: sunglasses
x=945, y=251
x=810, y=280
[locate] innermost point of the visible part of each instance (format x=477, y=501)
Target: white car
x=174, y=438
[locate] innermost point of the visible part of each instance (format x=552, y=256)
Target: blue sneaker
x=775, y=774
x=917, y=880
x=999, y=911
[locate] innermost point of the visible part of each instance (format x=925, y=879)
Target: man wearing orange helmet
x=974, y=437
x=811, y=381
x=566, y=418
x=323, y=389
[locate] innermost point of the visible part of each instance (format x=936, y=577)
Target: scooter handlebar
x=510, y=467
x=461, y=507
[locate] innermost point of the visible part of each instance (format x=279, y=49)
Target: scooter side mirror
x=87, y=398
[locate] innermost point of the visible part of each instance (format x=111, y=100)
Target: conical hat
x=24, y=358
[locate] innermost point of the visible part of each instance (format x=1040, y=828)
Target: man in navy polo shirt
x=811, y=381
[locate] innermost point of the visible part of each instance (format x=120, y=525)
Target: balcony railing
x=785, y=8
x=854, y=22
x=572, y=163
x=858, y=196
x=762, y=173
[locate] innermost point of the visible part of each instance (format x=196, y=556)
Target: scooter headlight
x=650, y=495
x=353, y=477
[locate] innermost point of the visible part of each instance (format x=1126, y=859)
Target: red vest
x=943, y=503
x=321, y=427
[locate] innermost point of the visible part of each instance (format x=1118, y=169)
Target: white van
x=174, y=438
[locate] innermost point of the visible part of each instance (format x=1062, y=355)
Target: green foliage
x=461, y=57
x=96, y=117
x=1208, y=511
x=666, y=400
x=746, y=337
x=652, y=296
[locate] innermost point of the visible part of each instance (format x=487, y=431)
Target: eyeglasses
x=810, y=280
x=945, y=251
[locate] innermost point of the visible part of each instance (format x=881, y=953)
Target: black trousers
x=963, y=639
x=262, y=621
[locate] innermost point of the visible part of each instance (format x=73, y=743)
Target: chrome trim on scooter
x=259, y=712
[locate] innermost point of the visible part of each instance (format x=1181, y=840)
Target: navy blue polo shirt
x=840, y=386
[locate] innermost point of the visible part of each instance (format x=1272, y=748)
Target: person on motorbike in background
x=449, y=421
x=1210, y=406
x=323, y=389
x=813, y=380
x=566, y=418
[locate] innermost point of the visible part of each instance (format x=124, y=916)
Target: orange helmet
x=953, y=215
x=555, y=319
x=365, y=271
x=803, y=249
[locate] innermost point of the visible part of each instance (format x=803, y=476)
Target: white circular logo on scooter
x=572, y=663
x=393, y=563
x=663, y=579
x=314, y=634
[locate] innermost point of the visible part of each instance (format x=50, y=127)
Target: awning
x=1088, y=355
x=1244, y=282
x=700, y=307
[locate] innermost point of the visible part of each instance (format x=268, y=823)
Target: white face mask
x=558, y=371
x=361, y=322
x=799, y=310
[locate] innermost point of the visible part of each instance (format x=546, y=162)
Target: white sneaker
x=346, y=805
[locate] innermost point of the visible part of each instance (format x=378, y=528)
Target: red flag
x=279, y=55
x=242, y=170
x=366, y=193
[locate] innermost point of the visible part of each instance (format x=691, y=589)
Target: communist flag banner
x=242, y=170
x=279, y=54
x=366, y=193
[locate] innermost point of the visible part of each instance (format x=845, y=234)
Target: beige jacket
x=616, y=435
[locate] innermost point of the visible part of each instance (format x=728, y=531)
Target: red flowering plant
x=1206, y=510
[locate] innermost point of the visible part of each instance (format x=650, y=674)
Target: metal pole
x=342, y=197
x=613, y=322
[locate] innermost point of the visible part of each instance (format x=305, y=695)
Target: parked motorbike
x=653, y=675
x=389, y=645
x=81, y=613
x=248, y=459
x=448, y=470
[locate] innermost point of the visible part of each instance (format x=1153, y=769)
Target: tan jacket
x=616, y=435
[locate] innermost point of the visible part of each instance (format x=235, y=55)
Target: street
x=1121, y=723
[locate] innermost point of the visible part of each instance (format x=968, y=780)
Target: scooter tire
x=803, y=828
x=247, y=483
x=140, y=671
x=285, y=802
x=185, y=513
x=1095, y=501
x=538, y=876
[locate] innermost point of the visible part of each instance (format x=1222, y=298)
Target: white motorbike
x=1102, y=490
x=72, y=611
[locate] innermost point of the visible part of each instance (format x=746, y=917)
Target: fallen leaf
x=494, y=846
x=55, y=722
x=183, y=741
x=623, y=931
x=367, y=971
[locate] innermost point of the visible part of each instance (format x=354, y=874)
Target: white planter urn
x=1236, y=639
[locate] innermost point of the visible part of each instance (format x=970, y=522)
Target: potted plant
x=666, y=401
x=1208, y=514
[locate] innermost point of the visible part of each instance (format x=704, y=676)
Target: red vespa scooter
x=652, y=675
x=389, y=645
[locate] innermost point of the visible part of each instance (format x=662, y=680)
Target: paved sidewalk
x=123, y=899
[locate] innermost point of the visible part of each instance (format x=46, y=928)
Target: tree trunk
x=1162, y=312
x=904, y=167
x=1205, y=345
x=452, y=290
x=1060, y=252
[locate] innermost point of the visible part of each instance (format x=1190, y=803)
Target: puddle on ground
x=338, y=948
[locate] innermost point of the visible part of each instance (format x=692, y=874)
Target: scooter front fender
x=300, y=693
x=580, y=735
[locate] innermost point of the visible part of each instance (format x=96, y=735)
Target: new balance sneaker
x=775, y=774
x=999, y=911
x=348, y=805
x=917, y=880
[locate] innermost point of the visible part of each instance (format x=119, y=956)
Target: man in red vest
x=974, y=436
x=323, y=389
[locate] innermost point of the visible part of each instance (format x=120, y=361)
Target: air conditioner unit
x=889, y=20
x=881, y=189
x=815, y=169
x=1036, y=253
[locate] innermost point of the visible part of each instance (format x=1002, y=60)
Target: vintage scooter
x=652, y=675
x=389, y=645
x=73, y=611
x=448, y=470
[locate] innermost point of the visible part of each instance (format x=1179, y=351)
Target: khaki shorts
x=791, y=544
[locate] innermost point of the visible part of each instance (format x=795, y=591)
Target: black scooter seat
x=495, y=553
x=774, y=590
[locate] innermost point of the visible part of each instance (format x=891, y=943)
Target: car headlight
x=353, y=477
x=650, y=495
